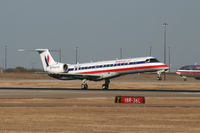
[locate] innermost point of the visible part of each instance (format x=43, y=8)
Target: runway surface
x=94, y=94
x=63, y=93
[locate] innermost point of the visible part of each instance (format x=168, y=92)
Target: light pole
x=120, y=53
x=60, y=54
x=150, y=49
x=169, y=57
x=6, y=47
x=165, y=31
x=76, y=54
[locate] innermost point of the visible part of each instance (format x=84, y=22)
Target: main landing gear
x=184, y=78
x=105, y=86
x=84, y=85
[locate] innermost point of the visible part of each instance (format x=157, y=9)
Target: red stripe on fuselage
x=190, y=71
x=122, y=69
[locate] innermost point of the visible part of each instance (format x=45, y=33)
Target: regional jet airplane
x=189, y=71
x=97, y=71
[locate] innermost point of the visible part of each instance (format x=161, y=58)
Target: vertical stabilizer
x=46, y=58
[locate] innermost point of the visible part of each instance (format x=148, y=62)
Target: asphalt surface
x=63, y=93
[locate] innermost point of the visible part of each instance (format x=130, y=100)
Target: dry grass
x=76, y=118
x=99, y=115
x=97, y=85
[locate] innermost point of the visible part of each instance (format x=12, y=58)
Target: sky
x=99, y=28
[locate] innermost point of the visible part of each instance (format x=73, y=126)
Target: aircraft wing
x=66, y=76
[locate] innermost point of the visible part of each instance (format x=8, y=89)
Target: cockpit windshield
x=151, y=60
x=191, y=67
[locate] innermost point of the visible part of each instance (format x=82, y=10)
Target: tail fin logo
x=47, y=60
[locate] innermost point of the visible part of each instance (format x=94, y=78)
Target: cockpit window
x=151, y=60
x=147, y=60
x=154, y=60
x=184, y=68
x=191, y=67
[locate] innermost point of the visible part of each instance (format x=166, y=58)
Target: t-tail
x=46, y=58
x=49, y=64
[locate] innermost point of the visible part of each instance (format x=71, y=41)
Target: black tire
x=159, y=78
x=105, y=87
x=84, y=86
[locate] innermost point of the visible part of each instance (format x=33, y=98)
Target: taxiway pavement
x=67, y=93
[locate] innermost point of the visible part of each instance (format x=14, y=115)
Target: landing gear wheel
x=159, y=78
x=84, y=86
x=105, y=87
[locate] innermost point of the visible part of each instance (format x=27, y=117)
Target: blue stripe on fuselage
x=131, y=63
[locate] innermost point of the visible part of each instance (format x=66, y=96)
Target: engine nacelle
x=65, y=68
x=58, y=68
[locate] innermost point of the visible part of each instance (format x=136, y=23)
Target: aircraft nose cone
x=166, y=67
x=178, y=72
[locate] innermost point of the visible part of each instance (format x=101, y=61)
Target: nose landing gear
x=159, y=76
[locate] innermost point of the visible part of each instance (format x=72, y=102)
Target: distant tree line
x=22, y=69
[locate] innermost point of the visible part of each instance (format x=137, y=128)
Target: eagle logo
x=47, y=60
